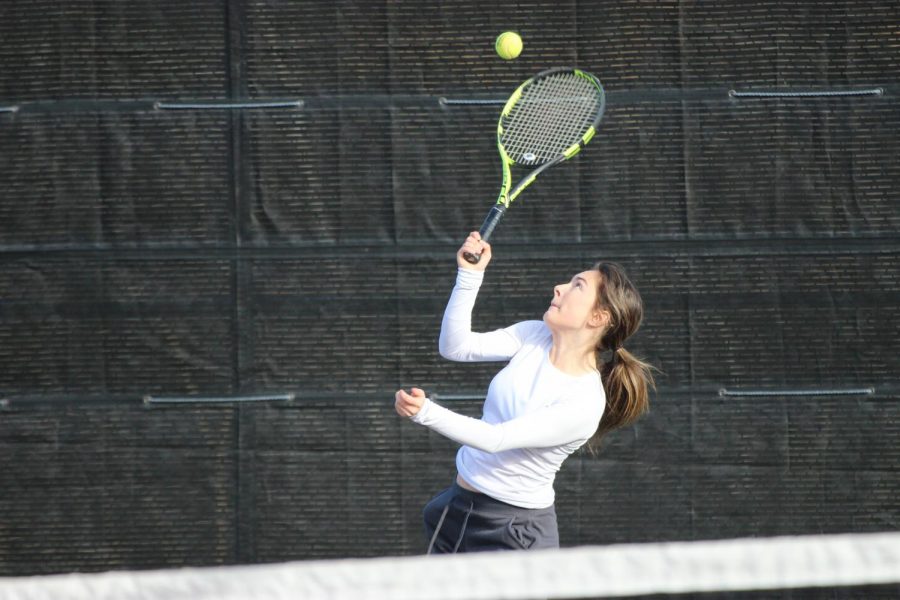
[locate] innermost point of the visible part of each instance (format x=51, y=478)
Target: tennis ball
x=508, y=45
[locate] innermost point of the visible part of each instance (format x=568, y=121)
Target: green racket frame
x=506, y=195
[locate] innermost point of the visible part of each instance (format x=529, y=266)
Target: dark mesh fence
x=309, y=251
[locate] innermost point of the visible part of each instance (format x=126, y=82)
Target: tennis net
x=623, y=570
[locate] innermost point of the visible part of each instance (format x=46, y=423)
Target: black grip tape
x=487, y=228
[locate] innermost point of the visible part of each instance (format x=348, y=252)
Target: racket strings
x=551, y=115
x=568, y=118
x=556, y=107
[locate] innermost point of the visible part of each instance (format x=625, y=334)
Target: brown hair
x=626, y=378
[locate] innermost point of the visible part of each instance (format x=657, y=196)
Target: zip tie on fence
x=217, y=400
x=9, y=109
x=808, y=94
x=826, y=392
x=226, y=105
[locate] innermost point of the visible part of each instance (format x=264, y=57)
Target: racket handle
x=487, y=228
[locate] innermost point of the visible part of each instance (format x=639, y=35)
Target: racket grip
x=487, y=228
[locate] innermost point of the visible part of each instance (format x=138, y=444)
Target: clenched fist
x=408, y=405
x=477, y=246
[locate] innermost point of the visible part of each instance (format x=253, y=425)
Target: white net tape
x=584, y=572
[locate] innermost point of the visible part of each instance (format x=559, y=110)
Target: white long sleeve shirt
x=534, y=415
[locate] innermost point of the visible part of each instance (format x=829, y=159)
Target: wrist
x=420, y=415
x=469, y=278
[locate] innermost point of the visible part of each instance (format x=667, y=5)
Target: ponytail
x=626, y=378
x=627, y=381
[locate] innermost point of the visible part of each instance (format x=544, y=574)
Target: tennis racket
x=547, y=120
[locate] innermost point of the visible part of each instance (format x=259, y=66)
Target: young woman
x=568, y=382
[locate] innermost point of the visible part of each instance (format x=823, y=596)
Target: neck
x=573, y=353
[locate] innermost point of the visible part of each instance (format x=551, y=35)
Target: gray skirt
x=459, y=520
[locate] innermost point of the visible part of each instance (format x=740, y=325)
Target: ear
x=600, y=318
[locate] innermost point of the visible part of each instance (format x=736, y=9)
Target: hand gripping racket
x=547, y=120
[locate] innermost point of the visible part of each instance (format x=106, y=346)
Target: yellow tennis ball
x=508, y=45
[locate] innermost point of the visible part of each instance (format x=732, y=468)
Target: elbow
x=448, y=351
x=496, y=442
x=450, y=355
x=496, y=449
x=487, y=448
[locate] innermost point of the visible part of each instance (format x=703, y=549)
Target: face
x=574, y=304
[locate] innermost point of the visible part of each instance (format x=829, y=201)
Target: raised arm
x=457, y=340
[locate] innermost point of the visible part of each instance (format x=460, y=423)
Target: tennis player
x=569, y=381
